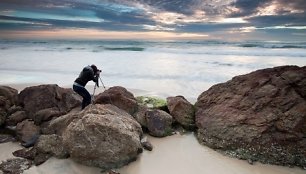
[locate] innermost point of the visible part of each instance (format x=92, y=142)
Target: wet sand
x=177, y=154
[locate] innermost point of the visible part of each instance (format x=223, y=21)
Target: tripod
x=97, y=85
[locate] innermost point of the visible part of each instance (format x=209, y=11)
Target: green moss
x=151, y=102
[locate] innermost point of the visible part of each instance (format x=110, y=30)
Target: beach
x=158, y=69
x=176, y=154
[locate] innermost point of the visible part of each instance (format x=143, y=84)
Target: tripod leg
x=93, y=94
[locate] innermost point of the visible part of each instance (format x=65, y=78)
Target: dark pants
x=84, y=93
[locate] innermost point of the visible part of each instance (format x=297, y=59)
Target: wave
x=276, y=46
x=124, y=48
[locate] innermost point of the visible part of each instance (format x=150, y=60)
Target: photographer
x=87, y=74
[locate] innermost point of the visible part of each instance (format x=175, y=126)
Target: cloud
x=181, y=16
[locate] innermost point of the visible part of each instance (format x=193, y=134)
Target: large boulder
x=257, y=116
x=182, y=111
x=119, y=97
x=37, y=98
x=103, y=136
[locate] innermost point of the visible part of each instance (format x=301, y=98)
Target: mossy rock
x=152, y=102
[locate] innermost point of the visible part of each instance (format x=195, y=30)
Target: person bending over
x=87, y=74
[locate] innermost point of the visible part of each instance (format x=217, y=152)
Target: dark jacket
x=86, y=75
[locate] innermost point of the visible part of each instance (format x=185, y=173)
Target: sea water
x=166, y=67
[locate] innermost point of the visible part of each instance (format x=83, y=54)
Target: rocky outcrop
x=10, y=94
x=258, y=116
x=41, y=97
x=159, y=123
x=182, y=111
x=8, y=98
x=119, y=97
x=102, y=136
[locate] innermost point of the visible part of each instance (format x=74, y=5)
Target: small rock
x=250, y=161
x=26, y=153
x=147, y=145
x=15, y=165
x=112, y=172
x=6, y=138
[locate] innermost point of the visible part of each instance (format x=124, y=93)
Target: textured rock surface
x=8, y=98
x=182, y=111
x=47, y=114
x=119, y=97
x=159, y=123
x=26, y=130
x=41, y=97
x=103, y=136
x=51, y=144
x=258, y=116
x=15, y=166
x=10, y=94
x=16, y=117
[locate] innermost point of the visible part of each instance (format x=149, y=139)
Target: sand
x=176, y=154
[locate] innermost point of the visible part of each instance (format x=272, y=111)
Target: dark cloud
x=251, y=7
x=248, y=7
x=133, y=15
x=279, y=20
x=179, y=6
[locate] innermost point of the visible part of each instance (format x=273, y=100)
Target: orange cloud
x=98, y=34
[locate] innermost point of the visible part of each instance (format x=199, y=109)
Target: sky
x=154, y=19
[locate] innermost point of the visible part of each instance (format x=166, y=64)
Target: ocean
x=168, y=68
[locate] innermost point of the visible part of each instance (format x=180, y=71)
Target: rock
x=58, y=125
x=26, y=130
x=40, y=158
x=159, y=123
x=47, y=114
x=101, y=136
x=31, y=141
x=119, y=97
x=146, y=144
x=14, y=109
x=182, y=111
x=8, y=98
x=15, y=166
x=3, y=116
x=6, y=138
x=259, y=116
x=33, y=154
x=140, y=115
x=51, y=144
x=10, y=94
x=16, y=118
x=112, y=172
x=27, y=153
x=37, y=98
x=7, y=134
x=4, y=103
